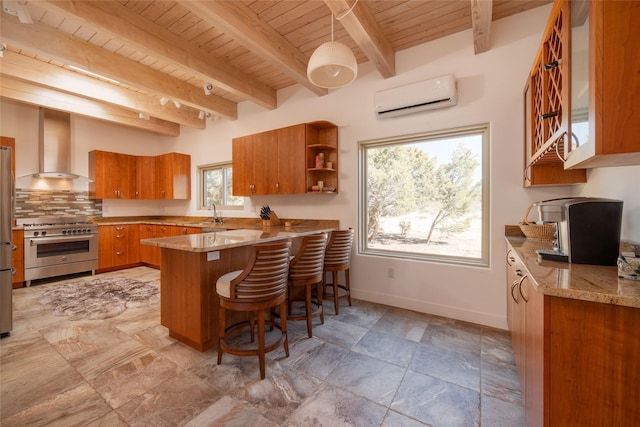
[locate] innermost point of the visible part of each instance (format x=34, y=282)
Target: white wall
x=490, y=91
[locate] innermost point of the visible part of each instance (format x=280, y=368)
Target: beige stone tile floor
x=371, y=365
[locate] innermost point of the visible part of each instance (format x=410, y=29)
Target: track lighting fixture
x=164, y=100
x=177, y=104
x=208, y=88
x=143, y=116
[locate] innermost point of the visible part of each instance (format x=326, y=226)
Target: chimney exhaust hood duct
x=54, y=146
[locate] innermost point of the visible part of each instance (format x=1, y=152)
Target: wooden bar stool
x=306, y=271
x=337, y=258
x=260, y=287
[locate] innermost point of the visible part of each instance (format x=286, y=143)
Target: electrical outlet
x=391, y=273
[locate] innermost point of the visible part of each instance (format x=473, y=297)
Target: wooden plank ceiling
x=157, y=65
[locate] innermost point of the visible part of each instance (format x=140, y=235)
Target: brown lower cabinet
x=578, y=361
x=17, y=258
x=118, y=246
x=150, y=255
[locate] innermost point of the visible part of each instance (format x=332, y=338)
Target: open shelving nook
x=322, y=140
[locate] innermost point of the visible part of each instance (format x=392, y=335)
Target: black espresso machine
x=588, y=229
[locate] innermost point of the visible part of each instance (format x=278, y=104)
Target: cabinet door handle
x=252, y=188
x=119, y=253
x=524, y=297
x=137, y=194
x=549, y=115
x=518, y=272
x=119, y=228
x=513, y=286
x=510, y=258
x=277, y=187
x=14, y=248
x=119, y=236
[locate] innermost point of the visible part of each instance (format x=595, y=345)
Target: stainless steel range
x=55, y=246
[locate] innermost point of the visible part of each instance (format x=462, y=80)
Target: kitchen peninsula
x=191, y=265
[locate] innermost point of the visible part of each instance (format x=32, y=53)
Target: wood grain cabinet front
x=546, y=106
x=118, y=246
x=113, y=175
x=17, y=259
x=605, y=88
x=173, y=176
x=578, y=361
x=151, y=255
x=282, y=161
x=123, y=176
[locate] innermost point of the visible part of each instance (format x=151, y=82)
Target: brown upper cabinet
x=581, y=108
x=145, y=177
x=546, y=98
x=605, y=88
x=113, y=175
x=282, y=161
x=173, y=176
x=124, y=176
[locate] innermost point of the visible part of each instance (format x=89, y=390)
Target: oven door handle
x=38, y=240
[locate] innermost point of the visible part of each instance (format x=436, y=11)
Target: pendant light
x=332, y=65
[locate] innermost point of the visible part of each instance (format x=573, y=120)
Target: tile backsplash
x=36, y=203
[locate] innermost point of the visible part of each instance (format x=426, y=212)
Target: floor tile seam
x=329, y=384
x=390, y=409
x=445, y=381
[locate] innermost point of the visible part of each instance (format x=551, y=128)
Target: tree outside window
x=426, y=196
x=216, y=185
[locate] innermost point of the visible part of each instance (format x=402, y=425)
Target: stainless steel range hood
x=54, y=146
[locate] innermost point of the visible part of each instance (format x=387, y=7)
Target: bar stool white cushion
x=223, y=285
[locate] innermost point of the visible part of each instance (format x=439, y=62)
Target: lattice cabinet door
x=547, y=102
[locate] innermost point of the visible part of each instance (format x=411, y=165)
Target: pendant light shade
x=332, y=65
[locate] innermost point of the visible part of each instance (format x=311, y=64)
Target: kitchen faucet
x=215, y=218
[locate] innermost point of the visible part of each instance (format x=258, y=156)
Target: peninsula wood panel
x=189, y=303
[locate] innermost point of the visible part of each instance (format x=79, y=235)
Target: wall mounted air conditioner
x=415, y=97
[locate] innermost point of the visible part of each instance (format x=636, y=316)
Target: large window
x=216, y=183
x=426, y=196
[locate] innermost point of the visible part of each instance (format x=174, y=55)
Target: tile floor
x=372, y=365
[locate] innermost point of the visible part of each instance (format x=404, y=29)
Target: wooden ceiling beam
x=365, y=31
x=481, y=15
x=28, y=93
x=119, y=22
x=46, y=41
x=244, y=26
x=44, y=74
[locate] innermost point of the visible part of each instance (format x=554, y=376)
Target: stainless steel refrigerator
x=6, y=218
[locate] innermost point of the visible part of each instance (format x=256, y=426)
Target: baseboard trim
x=427, y=307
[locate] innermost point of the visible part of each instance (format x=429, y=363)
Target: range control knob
x=44, y=233
x=36, y=233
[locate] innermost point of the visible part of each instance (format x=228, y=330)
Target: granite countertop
x=182, y=221
x=218, y=240
x=578, y=281
x=206, y=222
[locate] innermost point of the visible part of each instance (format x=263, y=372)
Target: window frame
x=362, y=208
x=202, y=169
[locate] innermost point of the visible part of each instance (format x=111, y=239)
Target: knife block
x=273, y=220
